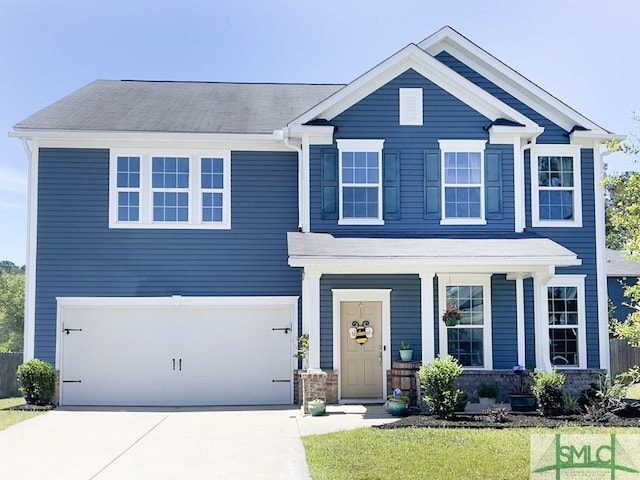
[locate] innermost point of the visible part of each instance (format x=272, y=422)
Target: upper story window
x=463, y=181
x=556, y=194
x=410, y=106
x=170, y=189
x=360, y=179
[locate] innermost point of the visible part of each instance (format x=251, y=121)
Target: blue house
x=182, y=235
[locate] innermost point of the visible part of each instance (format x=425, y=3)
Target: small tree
x=439, y=384
x=37, y=381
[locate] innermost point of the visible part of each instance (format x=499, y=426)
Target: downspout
x=30, y=274
x=286, y=140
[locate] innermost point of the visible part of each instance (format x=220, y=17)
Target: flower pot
x=405, y=355
x=486, y=402
x=451, y=323
x=395, y=407
x=317, y=408
x=522, y=402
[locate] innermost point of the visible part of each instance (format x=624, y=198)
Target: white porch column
x=311, y=313
x=518, y=187
x=426, y=319
x=541, y=319
x=520, y=320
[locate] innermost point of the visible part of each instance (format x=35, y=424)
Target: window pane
x=212, y=175
x=128, y=174
x=211, y=207
x=470, y=301
x=556, y=204
x=462, y=202
x=467, y=345
x=563, y=346
x=170, y=207
x=360, y=202
x=170, y=172
x=128, y=206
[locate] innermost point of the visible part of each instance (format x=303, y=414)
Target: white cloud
x=12, y=181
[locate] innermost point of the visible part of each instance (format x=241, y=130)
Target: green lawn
x=424, y=453
x=11, y=417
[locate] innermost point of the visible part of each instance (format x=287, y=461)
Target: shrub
x=497, y=415
x=439, y=384
x=547, y=388
x=37, y=381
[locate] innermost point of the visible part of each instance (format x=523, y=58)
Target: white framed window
x=556, y=197
x=410, y=104
x=152, y=188
x=566, y=314
x=462, y=182
x=360, y=177
x=470, y=340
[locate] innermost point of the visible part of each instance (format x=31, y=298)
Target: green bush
x=547, y=388
x=488, y=390
x=439, y=385
x=37, y=381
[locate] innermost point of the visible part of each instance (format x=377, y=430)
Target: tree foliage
x=622, y=213
x=11, y=310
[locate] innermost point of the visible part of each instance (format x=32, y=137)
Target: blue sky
x=583, y=52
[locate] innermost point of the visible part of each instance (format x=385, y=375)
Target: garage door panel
x=177, y=356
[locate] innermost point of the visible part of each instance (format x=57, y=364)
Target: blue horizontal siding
x=78, y=255
x=405, y=310
x=552, y=132
x=504, y=322
x=615, y=289
x=446, y=117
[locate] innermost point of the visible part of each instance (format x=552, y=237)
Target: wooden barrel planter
x=403, y=376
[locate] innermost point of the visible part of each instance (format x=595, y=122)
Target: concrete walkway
x=219, y=442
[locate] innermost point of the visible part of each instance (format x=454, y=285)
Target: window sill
x=463, y=221
x=556, y=224
x=360, y=221
x=169, y=226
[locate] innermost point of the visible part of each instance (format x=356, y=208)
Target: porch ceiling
x=494, y=254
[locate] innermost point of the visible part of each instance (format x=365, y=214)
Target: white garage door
x=176, y=351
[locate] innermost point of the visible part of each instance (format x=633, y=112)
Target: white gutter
x=286, y=139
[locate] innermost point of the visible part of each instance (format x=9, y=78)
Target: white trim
x=365, y=295
x=483, y=280
x=33, y=156
x=362, y=146
x=520, y=328
x=146, y=190
x=311, y=313
x=447, y=39
x=410, y=105
x=412, y=57
x=427, y=300
x=601, y=261
x=568, y=281
x=462, y=146
x=562, y=151
x=520, y=220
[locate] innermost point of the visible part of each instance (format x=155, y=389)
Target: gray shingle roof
x=182, y=107
x=618, y=265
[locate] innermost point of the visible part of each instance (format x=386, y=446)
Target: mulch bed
x=512, y=420
x=32, y=408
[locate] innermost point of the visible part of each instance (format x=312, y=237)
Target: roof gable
x=449, y=40
x=412, y=57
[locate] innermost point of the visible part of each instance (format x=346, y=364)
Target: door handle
x=174, y=364
x=180, y=364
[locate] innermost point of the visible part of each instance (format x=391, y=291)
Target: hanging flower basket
x=452, y=316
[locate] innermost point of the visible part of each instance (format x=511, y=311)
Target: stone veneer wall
x=576, y=381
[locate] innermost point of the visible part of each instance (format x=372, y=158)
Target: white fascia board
x=412, y=57
x=447, y=39
x=317, y=134
x=145, y=136
x=175, y=301
x=586, y=138
x=505, y=134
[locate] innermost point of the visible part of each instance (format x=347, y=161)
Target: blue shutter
x=391, y=184
x=493, y=185
x=329, y=181
x=432, y=184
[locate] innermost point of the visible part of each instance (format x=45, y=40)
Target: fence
x=623, y=356
x=9, y=363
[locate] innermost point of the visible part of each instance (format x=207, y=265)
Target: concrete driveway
x=215, y=443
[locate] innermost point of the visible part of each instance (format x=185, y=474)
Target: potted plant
x=302, y=350
x=451, y=316
x=405, y=352
x=397, y=403
x=487, y=394
x=317, y=407
x=522, y=398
